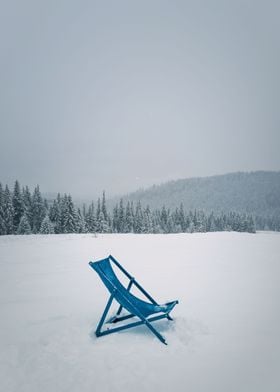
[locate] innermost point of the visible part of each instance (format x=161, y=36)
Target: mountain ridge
x=256, y=192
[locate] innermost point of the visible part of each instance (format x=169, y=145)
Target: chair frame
x=117, y=318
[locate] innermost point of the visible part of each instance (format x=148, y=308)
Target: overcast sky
x=117, y=95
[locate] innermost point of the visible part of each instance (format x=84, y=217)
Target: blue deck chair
x=135, y=306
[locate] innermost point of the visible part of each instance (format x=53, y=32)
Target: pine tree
x=103, y=207
x=27, y=202
x=211, y=226
x=226, y=222
x=2, y=226
x=24, y=225
x=164, y=219
x=121, y=217
x=46, y=226
x=200, y=225
x=182, y=218
x=2, y=222
x=46, y=206
x=242, y=223
x=235, y=222
x=98, y=212
x=81, y=225
x=55, y=215
x=128, y=220
x=138, y=218
x=38, y=210
x=191, y=228
x=90, y=219
x=191, y=222
x=8, y=212
x=251, y=225
x=103, y=224
x=176, y=221
x=69, y=218
x=115, y=223
x=170, y=227
x=156, y=222
x=187, y=223
x=195, y=225
x=17, y=205
x=147, y=221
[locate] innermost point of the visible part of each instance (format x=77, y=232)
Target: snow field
x=225, y=333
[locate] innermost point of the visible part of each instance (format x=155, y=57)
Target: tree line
x=25, y=212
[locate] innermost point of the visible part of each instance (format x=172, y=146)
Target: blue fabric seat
x=134, y=305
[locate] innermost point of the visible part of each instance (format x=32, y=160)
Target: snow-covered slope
x=225, y=333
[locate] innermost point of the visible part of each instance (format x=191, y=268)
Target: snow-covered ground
x=225, y=334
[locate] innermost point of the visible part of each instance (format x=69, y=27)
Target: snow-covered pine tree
x=182, y=218
x=211, y=225
x=8, y=212
x=170, y=227
x=200, y=225
x=84, y=211
x=64, y=212
x=46, y=206
x=86, y=218
x=24, y=225
x=90, y=219
x=2, y=226
x=190, y=220
x=17, y=205
x=138, y=218
x=98, y=212
x=104, y=208
x=147, y=221
x=38, y=210
x=239, y=222
x=128, y=219
x=115, y=222
x=58, y=225
x=195, y=220
x=187, y=222
x=2, y=222
x=55, y=214
x=69, y=217
x=234, y=222
x=242, y=222
x=176, y=222
x=164, y=219
x=156, y=217
x=81, y=225
x=121, y=217
x=47, y=226
x=225, y=222
x=103, y=224
x=251, y=225
x=27, y=202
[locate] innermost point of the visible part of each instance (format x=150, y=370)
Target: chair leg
x=155, y=332
x=101, y=322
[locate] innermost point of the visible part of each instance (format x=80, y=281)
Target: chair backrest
x=129, y=301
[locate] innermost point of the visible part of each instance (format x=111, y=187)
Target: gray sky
x=121, y=94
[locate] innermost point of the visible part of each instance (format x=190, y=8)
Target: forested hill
x=257, y=193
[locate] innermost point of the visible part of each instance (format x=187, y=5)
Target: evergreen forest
x=26, y=212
